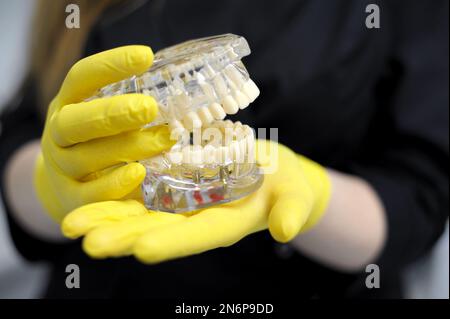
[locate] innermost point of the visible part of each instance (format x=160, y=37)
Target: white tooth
x=208, y=90
x=197, y=155
x=228, y=124
x=175, y=124
x=225, y=153
x=239, y=133
x=218, y=155
x=251, y=90
x=186, y=151
x=217, y=111
x=175, y=157
x=220, y=85
x=182, y=101
x=243, y=148
x=235, y=151
x=248, y=131
x=229, y=105
x=209, y=154
x=146, y=92
x=205, y=115
x=192, y=121
x=234, y=75
x=242, y=100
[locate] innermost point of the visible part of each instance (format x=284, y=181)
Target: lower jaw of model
x=196, y=84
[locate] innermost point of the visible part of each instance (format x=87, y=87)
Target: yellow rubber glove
x=290, y=201
x=89, y=149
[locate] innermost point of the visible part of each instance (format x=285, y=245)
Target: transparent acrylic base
x=182, y=188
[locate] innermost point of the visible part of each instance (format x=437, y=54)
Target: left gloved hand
x=290, y=201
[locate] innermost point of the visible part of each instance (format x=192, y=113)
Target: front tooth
x=186, y=152
x=209, y=154
x=217, y=111
x=208, y=90
x=242, y=100
x=205, y=115
x=175, y=157
x=235, y=151
x=192, y=121
x=229, y=105
x=218, y=155
x=234, y=75
x=243, y=148
x=225, y=154
x=197, y=155
x=251, y=90
x=220, y=85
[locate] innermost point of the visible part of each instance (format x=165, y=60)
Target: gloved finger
x=114, y=185
x=98, y=70
x=108, y=116
x=85, y=218
x=290, y=212
x=93, y=156
x=212, y=228
x=117, y=239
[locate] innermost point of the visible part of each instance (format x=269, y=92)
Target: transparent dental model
x=196, y=83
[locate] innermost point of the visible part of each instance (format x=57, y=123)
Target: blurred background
x=428, y=278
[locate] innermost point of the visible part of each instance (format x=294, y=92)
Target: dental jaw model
x=195, y=84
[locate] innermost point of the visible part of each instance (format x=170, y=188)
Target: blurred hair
x=54, y=47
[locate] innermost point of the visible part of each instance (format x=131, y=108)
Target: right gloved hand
x=89, y=149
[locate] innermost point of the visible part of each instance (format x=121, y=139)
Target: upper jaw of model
x=196, y=84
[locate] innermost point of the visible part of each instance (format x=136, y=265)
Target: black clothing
x=371, y=102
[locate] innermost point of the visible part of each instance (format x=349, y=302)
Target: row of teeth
x=237, y=147
x=226, y=92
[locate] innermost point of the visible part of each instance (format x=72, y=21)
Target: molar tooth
x=192, y=121
x=205, y=115
x=229, y=105
x=217, y=111
x=250, y=89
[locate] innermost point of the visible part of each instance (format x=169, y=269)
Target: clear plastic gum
x=196, y=83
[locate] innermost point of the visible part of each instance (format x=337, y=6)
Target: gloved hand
x=89, y=149
x=290, y=201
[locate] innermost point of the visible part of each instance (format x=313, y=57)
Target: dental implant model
x=195, y=84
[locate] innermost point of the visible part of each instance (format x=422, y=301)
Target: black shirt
x=371, y=102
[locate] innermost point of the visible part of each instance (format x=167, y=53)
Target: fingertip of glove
x=148, y=251
x=283, y=229
x=95, y=245
x=133, y=173
x=71, y=225
x=139, y=57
